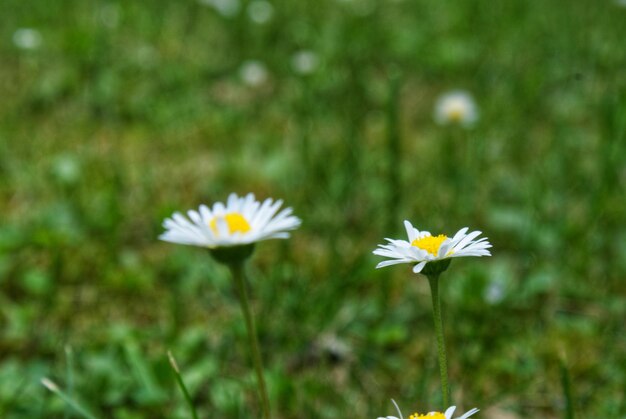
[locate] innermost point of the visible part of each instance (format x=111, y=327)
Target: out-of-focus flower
x=260, y=11
x=432, y=415
x=242, y=221
x=66, y=168
x=147, y=56
x=27, y=38
x=304, y=62
x=422, y=247
x=110, y=15
x=456, y=108
x=494, y=293
x=227, y=8
x=253, y=73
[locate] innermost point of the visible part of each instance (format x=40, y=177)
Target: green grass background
x=112, y=124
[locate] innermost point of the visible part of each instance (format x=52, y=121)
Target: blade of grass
x=181, y=384
x=47, y=383
x=142, y=371
x=69, y=376
x=567, y=391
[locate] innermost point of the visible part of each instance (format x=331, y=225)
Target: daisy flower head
x=260, y=11
x=432, y=415
x=456, y=108
x=253, y=73
x=227, y=8
x=431, y=254
x=304, y=62
x=236, y=224
x=27, y=38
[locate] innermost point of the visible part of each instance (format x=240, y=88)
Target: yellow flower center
x=456, y=114
x=430, y=243
x=431, y=415
x=235, y=221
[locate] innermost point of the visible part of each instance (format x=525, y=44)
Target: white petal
x=443, y=248
x=222, y=228
x=468, y=414
x=418, y=268
x=450, y=412
x=460, y=234
x=206, y=213
x=218, y=209
x=232, y=204
x=392, y=262
x=467, y=239
x=411, y=231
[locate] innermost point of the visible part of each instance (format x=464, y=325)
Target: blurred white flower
x=110, y=15
x=260, y=11
x=432, y=415
x=423, y=247
x=621, y=3
x=304, y=62
x=242, y=221
x=456, y=107
x=27, y=38
x=253, y=73
x=227, y=8
x=494, y=293
x=66, y=168
x=146, y=56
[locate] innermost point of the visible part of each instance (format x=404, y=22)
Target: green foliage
x=129, y=110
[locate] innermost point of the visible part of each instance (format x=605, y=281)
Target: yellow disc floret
x=430, y=243
x=431, y=415
x=235, y=221
x=456, y=114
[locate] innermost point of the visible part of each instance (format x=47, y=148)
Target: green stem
x=181, y=385
x=567, y=391
x=433, y=280
x=238, y=277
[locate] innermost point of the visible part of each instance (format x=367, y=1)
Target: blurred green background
x=114, y=114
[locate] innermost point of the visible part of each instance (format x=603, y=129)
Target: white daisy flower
x=432, y=415
x=109, y=15
x=456, y=107
x=304, y=62
x=422, y=247
x=260, y=11
x=242, y=221
x=253, y=73
x=227, y=8
x=27, y=38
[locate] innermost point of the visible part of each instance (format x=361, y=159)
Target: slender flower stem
x=567, y=391
x=433, y=280
x=238, y=277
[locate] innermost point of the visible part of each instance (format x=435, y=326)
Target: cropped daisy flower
x=27, y=38
x=304, y=62
x=241, y=221
x=456, y=108
x=253, y=73
x=230, y=232
x=432, y=415
x=227, y=8
x=260, y=11
x=423, y=248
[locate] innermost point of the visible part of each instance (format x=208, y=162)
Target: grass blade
x=181, y=384
x=567, y=391
x=47, y=383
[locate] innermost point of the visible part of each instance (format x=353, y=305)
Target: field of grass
x=125, y=111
